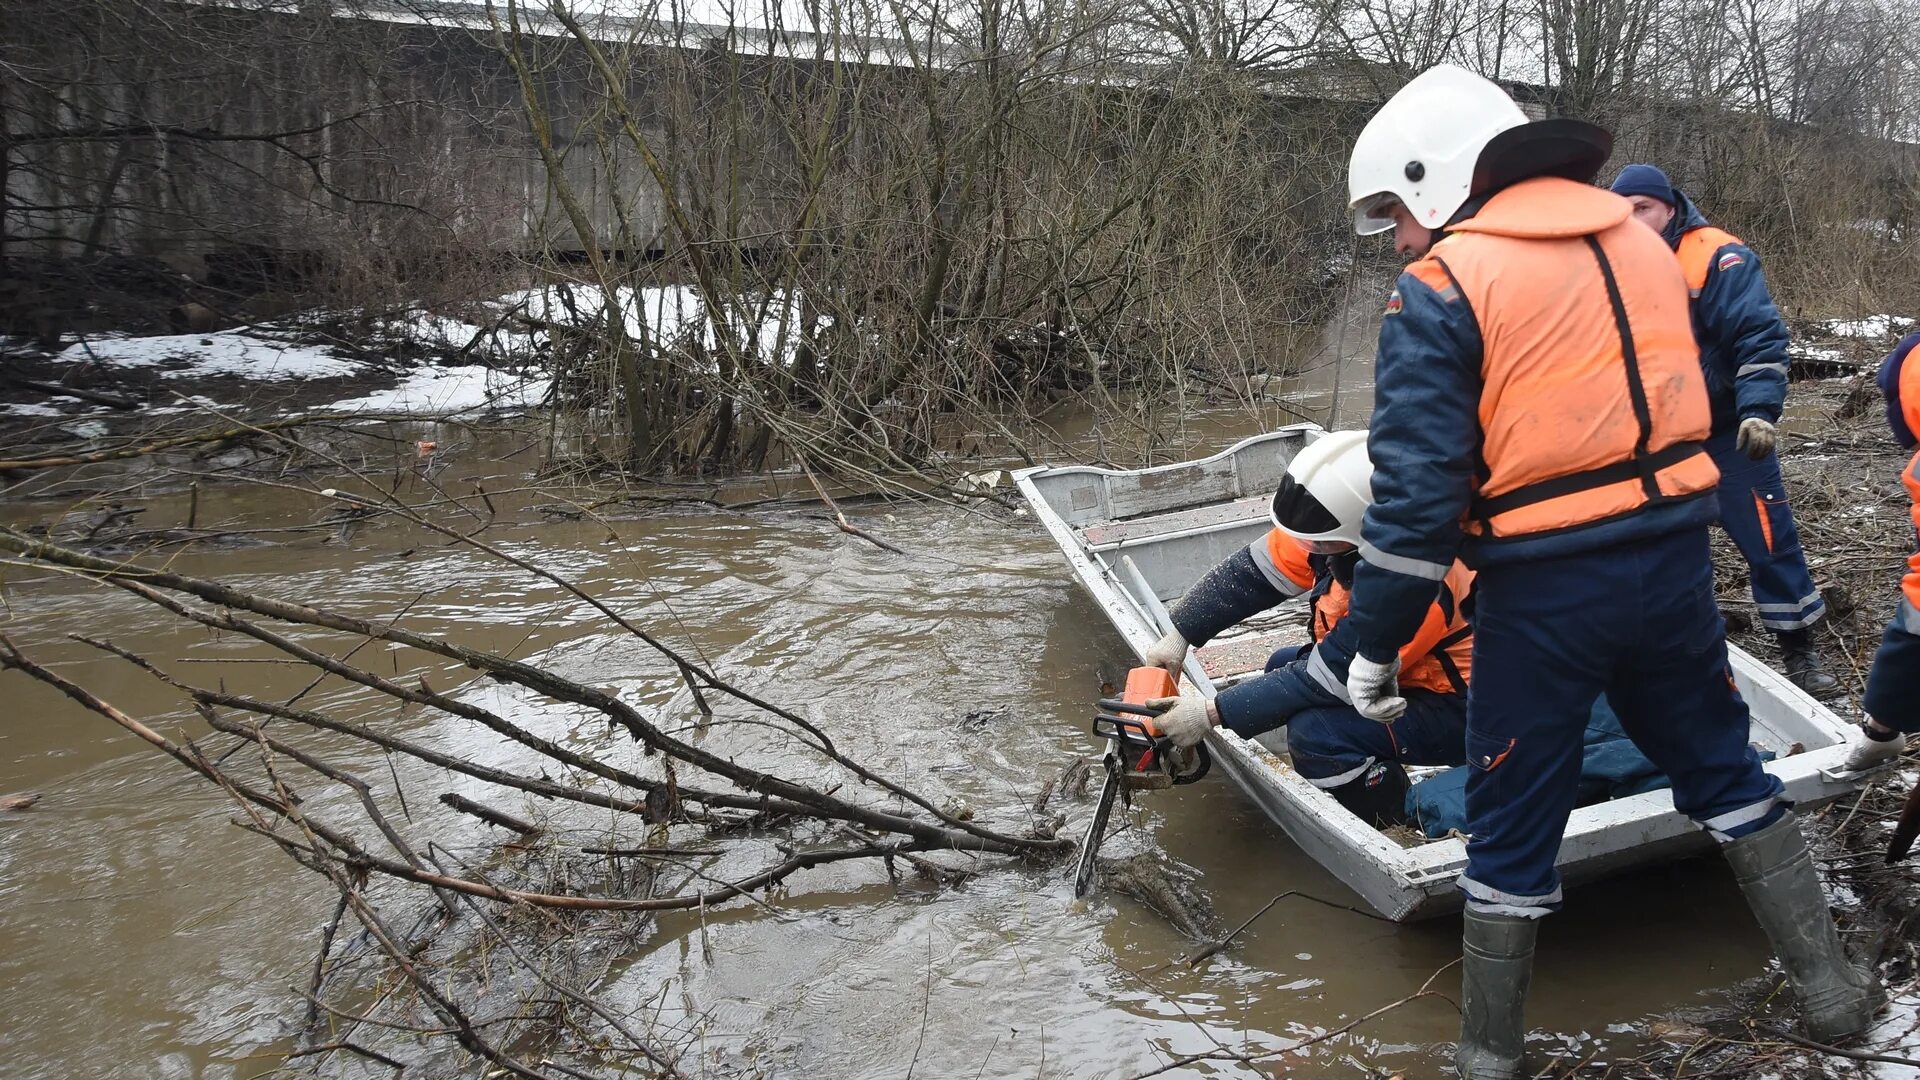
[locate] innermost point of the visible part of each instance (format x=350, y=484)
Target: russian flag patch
x=1730, y=260
x=1394, y=303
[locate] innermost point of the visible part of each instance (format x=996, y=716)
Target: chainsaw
x=1901, y=842
x=1138, y=758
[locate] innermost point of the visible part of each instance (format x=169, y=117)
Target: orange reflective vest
x=1440, y=656
x=1593, y=405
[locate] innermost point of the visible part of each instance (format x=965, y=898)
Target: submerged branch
x=145, y=582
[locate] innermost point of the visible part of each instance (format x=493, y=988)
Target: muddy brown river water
x=141, y=936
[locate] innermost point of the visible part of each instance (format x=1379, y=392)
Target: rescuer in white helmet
x=1539, y=413
x=1311, y=552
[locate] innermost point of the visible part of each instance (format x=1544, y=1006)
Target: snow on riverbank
x=488, y=355
x=244, y=353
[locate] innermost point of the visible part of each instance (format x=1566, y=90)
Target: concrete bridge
x=254, y=146
x=183, y=131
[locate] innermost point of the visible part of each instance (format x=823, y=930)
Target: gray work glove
x=1374, y=689
x=1755, y=438
x=1187, y=720
x=1169, y=653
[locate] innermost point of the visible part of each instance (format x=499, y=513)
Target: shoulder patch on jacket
x=1394, y=303
x=1697, y=251
x=1729, y=260
x=1430, y=273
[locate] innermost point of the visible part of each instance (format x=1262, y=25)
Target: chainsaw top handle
x=1141, y=746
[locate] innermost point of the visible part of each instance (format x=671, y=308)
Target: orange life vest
x=1696, y=254
x=1593, y=405
x=1440, y=656
x=1909, y=390
x=1910, y=584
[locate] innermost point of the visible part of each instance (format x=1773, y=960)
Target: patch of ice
x=1873, y=326
x=23, y=408
x=451, y=389
x=231, y=352
x=85, y=429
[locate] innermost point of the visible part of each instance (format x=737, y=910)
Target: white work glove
x=1375, y=689
x=1187, y=720
x=1169, y=653
x=1869, y=754
x=1755, y=438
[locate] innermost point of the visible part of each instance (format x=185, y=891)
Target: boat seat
x=1112, y=534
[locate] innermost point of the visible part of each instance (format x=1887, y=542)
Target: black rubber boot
x=1496, y=967
x=1775, y=872
x=1804, y=664
x=1377, y=796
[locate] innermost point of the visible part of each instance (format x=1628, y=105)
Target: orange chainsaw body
x=1144, y=684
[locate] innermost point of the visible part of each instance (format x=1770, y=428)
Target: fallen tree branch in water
x=489, y=814
x=350, y=1047
x=464, y=1030
x=696, y=676
x=681, y=821
x=147, y=582
x=840, y=516
x=319, y=979
x=194, y=438
x=1212, y=948
x=669, y=1067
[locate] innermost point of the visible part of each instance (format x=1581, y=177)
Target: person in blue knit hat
x=1743, y=347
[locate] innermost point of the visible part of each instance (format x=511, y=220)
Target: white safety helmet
x=1420, y=149
x=1326, y=492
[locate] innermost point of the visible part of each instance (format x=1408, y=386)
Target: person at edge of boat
x=1892, y=702
x=1311, y=552
x=1743, y=350
x=1539, y=414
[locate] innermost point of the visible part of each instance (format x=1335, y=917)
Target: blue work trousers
x=1333, y=744
x=1755, y=514
x=1893, y=683
x=1638, y=623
